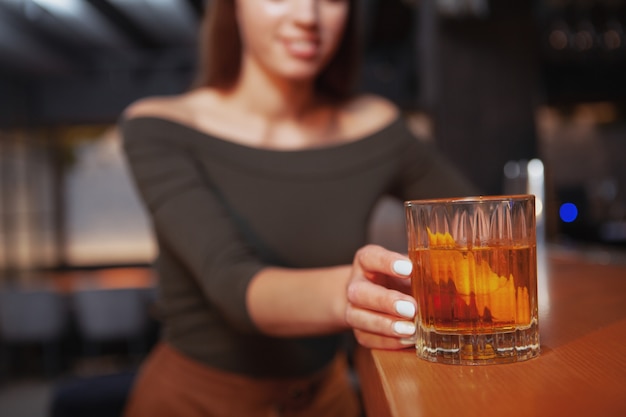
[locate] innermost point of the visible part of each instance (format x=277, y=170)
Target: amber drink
x=474, y=278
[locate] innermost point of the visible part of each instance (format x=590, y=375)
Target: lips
x=302, y=48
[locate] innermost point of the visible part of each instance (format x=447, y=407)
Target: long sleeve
x=191, y=221
x=222, y=212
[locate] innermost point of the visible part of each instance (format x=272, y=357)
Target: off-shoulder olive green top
x=222, y=211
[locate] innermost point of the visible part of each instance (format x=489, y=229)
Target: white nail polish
x=408, y=341
x=404, y=327
x=402, y=267
x=405, y=309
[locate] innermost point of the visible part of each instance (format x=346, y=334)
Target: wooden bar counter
x=581, y=370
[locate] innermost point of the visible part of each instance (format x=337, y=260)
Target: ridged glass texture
x=474, y=278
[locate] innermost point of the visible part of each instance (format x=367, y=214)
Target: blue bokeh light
x=568, y=212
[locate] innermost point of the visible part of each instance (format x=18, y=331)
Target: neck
x=274, y=98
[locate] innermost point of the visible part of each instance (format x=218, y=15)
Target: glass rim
x=471, y=199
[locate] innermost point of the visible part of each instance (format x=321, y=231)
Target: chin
x=302, y=73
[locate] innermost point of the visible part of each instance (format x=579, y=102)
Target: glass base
x=478, y=349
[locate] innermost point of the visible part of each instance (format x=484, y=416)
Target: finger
x=401, y=284
x=369, y=296
x=376, y=341
x=371, y=322
x=373, y=259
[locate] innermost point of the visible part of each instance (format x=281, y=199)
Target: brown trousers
x=173, y=385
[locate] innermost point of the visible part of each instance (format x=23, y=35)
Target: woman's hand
x=378, y=309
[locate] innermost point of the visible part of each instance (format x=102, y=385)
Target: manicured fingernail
x=402, y=267
x=408, y=341
x=404, y=327
x=405, y=309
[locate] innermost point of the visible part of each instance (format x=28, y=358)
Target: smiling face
x=292, y=39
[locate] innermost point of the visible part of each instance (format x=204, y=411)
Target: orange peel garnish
x=492, y=291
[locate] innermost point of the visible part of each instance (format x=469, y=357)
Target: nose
x=305, y=12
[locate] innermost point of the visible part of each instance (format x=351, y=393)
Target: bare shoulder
x=367, y=113
x=167, y=107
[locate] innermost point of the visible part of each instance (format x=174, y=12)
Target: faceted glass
x=474, y=278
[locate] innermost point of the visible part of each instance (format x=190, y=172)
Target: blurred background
x=523, y=95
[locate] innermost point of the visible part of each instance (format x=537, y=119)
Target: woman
x=260, y=183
